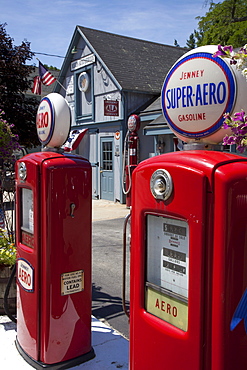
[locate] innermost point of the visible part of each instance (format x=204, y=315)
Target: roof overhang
x=157, y=127
x=157, y=130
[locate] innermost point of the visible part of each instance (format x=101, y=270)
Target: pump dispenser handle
x=72, y=208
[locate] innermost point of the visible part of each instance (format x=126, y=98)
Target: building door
x=106, y=168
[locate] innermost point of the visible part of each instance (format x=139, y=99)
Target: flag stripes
x=36, y=85
x=45, y=77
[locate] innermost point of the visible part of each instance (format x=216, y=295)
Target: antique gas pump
x=188, y=229
x=53, y=236
x=131, y=153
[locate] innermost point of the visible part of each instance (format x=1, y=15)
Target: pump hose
x=129, y=173
x=6, y=295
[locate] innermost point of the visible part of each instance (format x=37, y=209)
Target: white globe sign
x=53, y=120
x=196, y=93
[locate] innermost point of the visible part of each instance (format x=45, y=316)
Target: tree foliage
x=51, y=68
x=225, y=23
x=191, y=42
x=8, y=141
x=14, y=83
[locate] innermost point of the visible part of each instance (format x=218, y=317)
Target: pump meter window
x=167, y=274
x=27, y=220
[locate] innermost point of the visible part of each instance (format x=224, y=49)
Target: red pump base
x=57, y=366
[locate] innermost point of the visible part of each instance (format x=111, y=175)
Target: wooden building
x=108, y=77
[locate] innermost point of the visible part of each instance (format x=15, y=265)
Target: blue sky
x=49, y=24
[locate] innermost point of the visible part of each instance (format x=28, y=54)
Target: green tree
x=191, y=42
x=14, y=83
x=51, y=68
x=225, y=23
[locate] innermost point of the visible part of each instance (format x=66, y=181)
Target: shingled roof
x=137, y=65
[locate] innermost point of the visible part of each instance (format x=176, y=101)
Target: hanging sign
x=197, y=91
x=111, y=107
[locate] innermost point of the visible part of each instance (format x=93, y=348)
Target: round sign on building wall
x=53, y=120
x=196, y=93
x=83, y=81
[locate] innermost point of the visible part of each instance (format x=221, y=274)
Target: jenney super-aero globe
x=196, y=93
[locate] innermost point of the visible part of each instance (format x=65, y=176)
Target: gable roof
x=137, y=65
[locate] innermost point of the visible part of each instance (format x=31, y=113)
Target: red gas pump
x=131, y=150
x=188, y=253
x=53, y=236
x=188, y=230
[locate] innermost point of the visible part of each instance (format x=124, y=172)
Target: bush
x=7, y=250
x=8, y=140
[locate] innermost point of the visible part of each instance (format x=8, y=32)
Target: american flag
x=46, y=77
x=36, y=85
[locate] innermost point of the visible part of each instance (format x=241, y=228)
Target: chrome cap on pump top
x=161, y=184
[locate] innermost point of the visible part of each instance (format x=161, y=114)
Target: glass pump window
x=27, y=210
x=27, y=217
x=167, y=274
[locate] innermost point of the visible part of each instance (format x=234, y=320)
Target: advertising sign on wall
x=111, y=107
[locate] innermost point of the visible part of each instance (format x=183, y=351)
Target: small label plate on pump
x=25, y=275
x=72, y=282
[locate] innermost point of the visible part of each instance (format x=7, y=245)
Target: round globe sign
x=53, y=120
x=133, y=123
x=196, y=93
